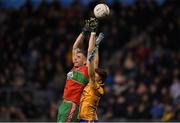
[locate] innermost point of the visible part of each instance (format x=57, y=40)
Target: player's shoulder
x=84, y=68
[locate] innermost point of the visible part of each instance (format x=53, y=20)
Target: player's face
x=79, y=60
x=98, y=78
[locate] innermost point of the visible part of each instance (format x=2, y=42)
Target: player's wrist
x=93, y=33
x=84, y=33
x=93, y=30
x=97, y=46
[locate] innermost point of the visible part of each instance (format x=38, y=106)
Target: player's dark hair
x=102, y=73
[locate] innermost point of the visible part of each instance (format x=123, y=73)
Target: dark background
x=141, y=53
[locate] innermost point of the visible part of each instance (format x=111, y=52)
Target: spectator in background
x=174, y=89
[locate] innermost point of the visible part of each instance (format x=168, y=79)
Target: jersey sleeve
x=85, y=72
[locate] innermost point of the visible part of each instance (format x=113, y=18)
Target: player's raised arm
x=93, y=23
x=93, y=54
x=77, y=43
x=90, y=62
x=96, y=57
x=79, y=40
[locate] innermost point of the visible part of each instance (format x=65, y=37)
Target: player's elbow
x=74, y=46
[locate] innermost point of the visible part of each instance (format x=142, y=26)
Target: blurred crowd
x=140, y=52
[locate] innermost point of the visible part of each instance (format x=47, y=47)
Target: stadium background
x=140, y=51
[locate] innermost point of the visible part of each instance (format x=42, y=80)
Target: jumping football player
x=94, y=89
x=76, y=80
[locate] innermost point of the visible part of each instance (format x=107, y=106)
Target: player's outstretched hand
x=90, y=25
x=85, y=29
x=93, y=24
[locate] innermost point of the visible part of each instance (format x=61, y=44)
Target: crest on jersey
x=70, y=75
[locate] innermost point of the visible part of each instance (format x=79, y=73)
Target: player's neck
x=77, y=67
